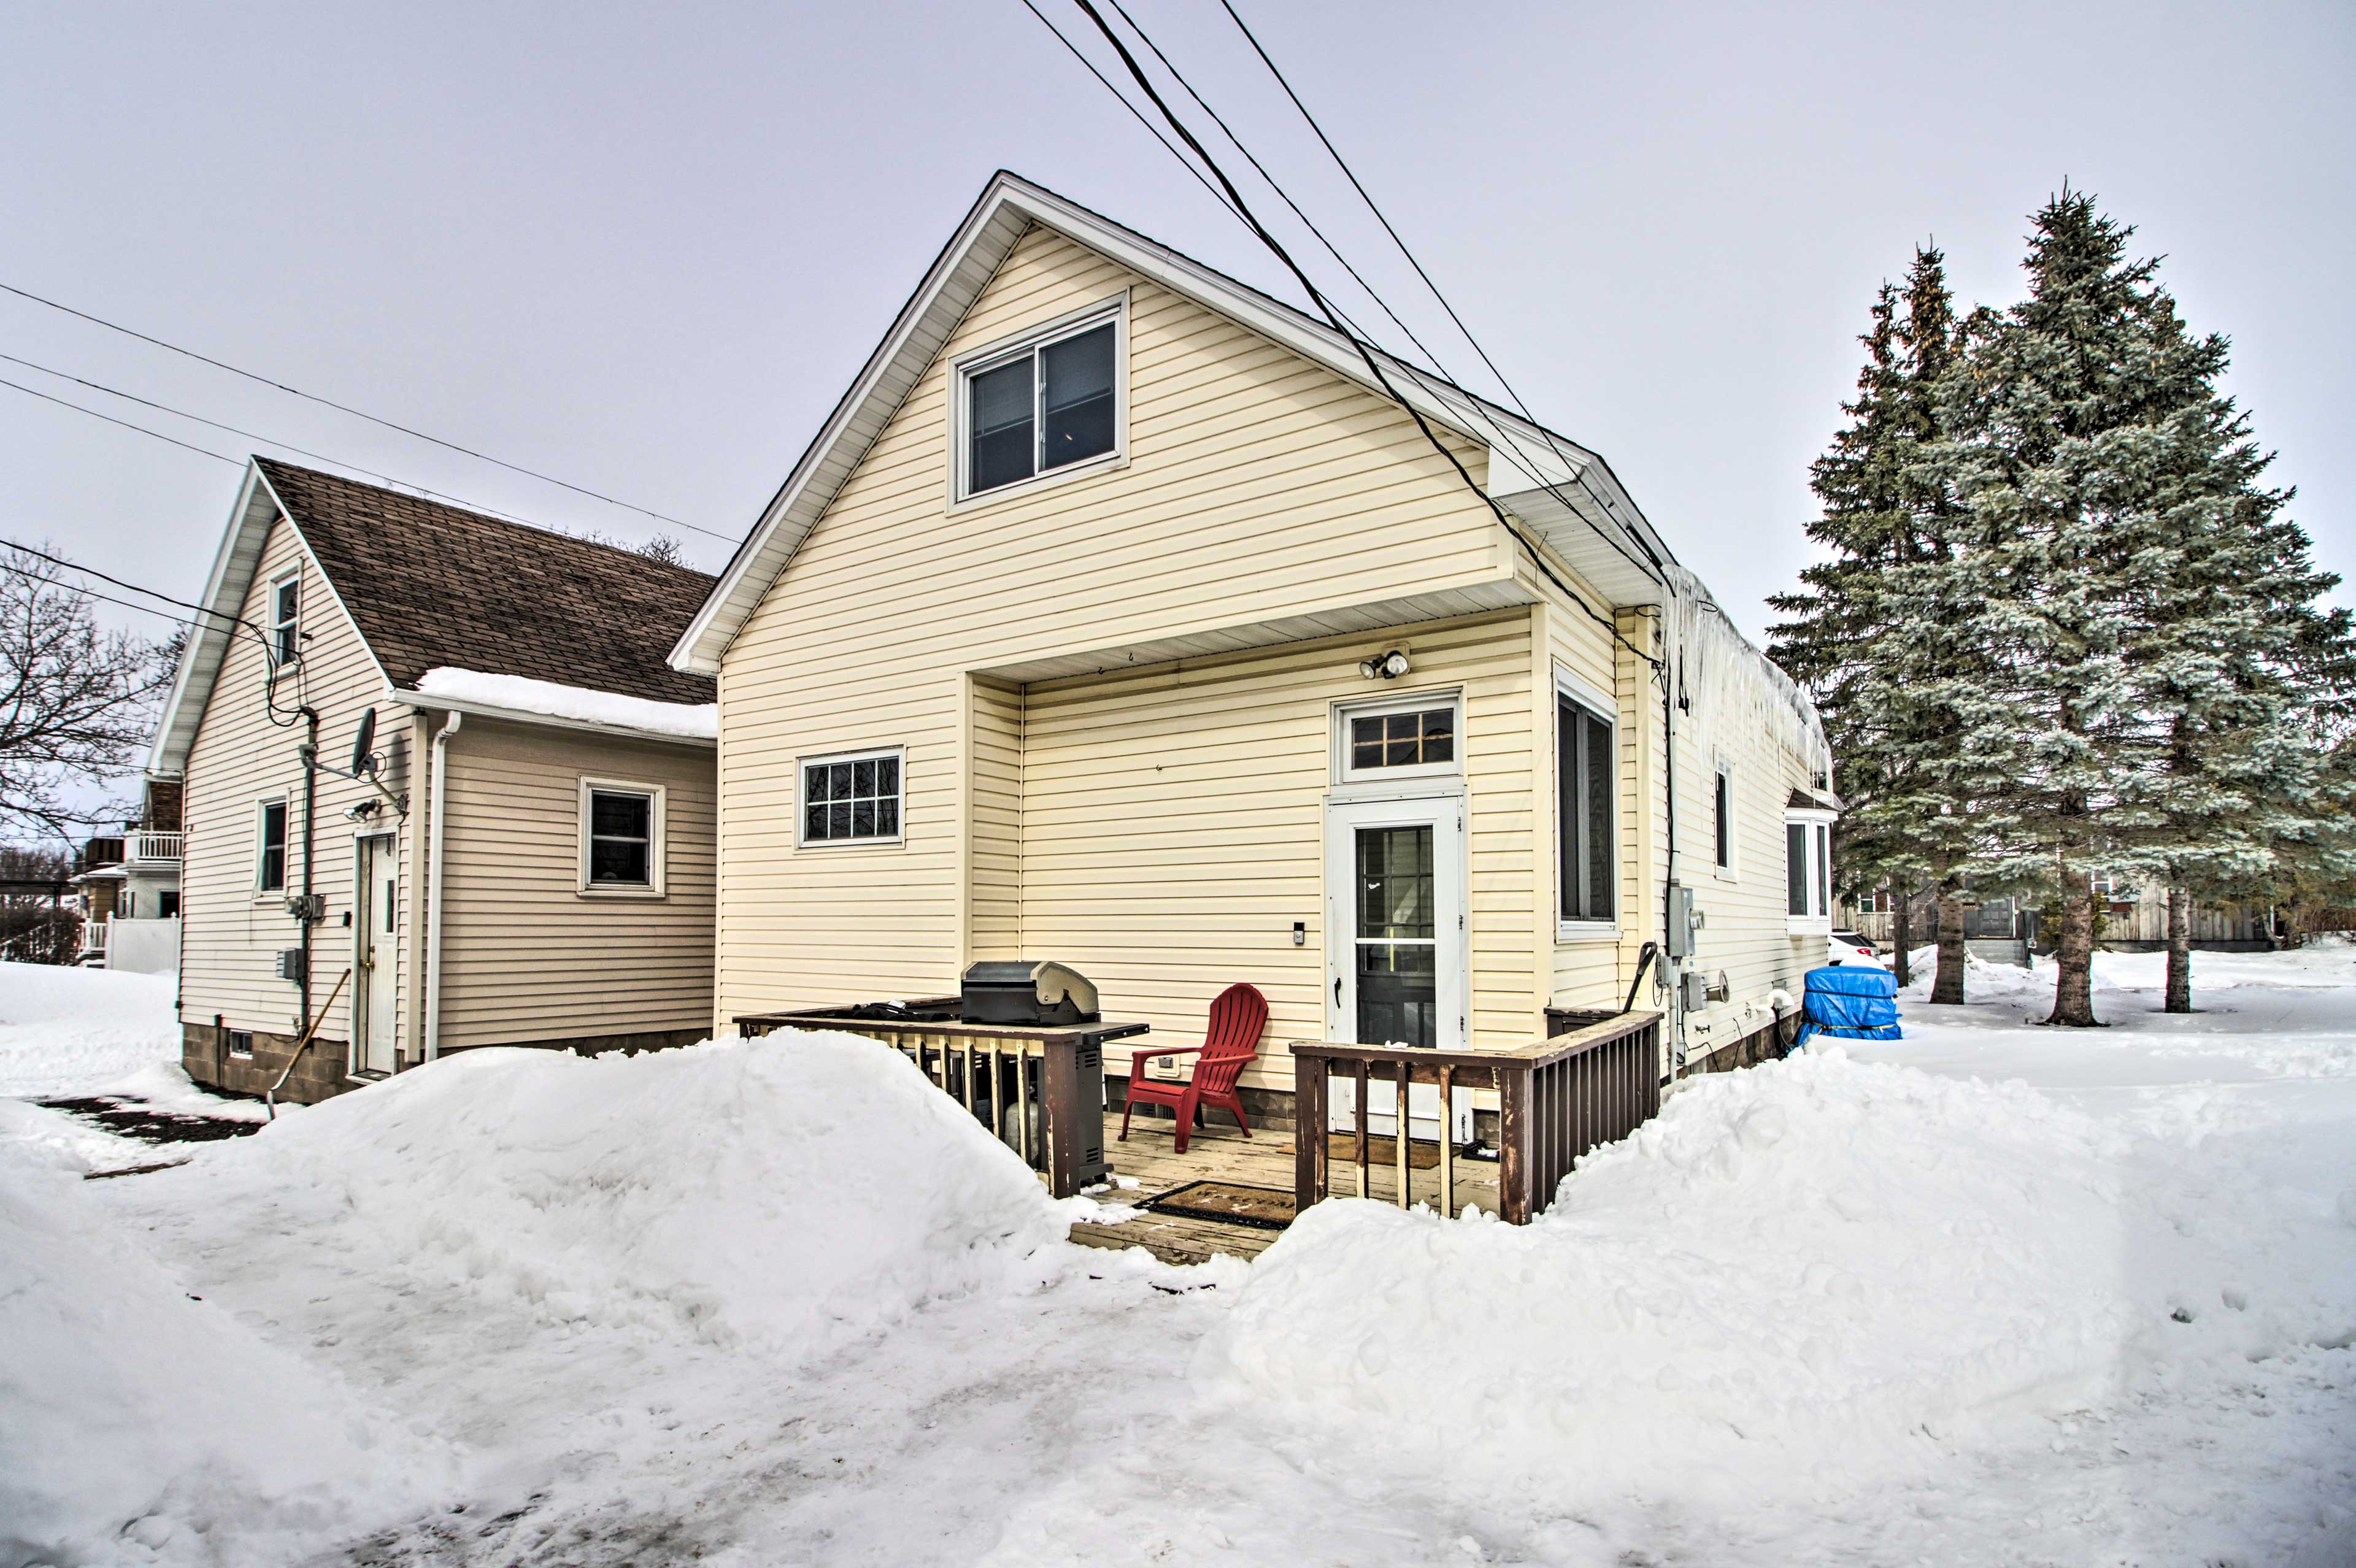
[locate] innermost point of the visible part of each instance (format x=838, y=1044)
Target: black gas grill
x=1025, y=992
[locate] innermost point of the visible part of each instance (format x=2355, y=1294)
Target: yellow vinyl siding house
x=514, y=674
x=1103, y=554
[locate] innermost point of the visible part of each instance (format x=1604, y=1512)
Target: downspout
x=1669, y=877
x=310, y=842
x=438, y=774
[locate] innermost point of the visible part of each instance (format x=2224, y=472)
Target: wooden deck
x=1220, y=1153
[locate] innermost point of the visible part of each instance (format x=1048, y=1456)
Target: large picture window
x=621, y=836
x=851, y=798
x=1042, y=406
x=1586, y=775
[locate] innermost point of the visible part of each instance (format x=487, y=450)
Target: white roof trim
x=429, y=702
x=235, y=566
x=1009, y=205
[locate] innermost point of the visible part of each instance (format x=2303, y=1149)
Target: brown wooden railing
x=1039, y=1090
x=1556, y=1099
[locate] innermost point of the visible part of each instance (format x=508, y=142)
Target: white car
x=1848, y=947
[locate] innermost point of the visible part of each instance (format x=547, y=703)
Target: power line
x=356, y=413
x=132, y=587
x=143, y=429
x=1374, y=368
x=286, y=446
x=1475, y=408
x=1579, y=470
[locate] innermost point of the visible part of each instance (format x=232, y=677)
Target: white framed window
x=2109, y=887
x=1585, y=812
x=1416, y=735
x=286, y=618
x=1051, y=403
x=1722, y=799
x=1808, y=870
x=270, y=846
x=853, y=797
x=621, y=838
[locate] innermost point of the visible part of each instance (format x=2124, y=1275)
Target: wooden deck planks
x=1220, y=1153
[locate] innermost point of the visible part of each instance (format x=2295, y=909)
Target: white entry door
x=376, y=992
x=1394, y=922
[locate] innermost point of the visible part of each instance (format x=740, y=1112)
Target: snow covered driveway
x=757, y=1304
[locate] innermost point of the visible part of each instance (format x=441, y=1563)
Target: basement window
x=851, y=798
x=1045, y=404
x=621, y=837
x=241, y=1042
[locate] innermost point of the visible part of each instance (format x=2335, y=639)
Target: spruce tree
x=1881, y=635
x=2148, y=613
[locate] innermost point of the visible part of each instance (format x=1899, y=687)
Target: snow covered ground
x=76, y=1032
x=1991, y=1294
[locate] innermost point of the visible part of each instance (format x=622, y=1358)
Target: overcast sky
x=644, y=249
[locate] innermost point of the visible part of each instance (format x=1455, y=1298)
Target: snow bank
x=76, y=1032
x=782, y=1194
x=1797, y=1274
x=142, y=1424
x=694, y=720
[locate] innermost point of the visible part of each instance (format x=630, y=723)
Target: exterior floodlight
x=1385, y=667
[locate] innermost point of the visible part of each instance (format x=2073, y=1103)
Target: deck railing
x=1556, y=1099
x=148, y=848
x=1039, y=1090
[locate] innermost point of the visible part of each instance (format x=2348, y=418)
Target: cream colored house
x=1116, y=618
x=516, y=849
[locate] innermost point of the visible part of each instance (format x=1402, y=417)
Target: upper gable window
x=286, y=618
x=1042, y=405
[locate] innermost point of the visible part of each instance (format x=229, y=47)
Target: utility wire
x=356, y=413
x=1316, y=296
x=283, y=445
x=1350, y=175
x=132, y=587
x=143, y=429
x=1475, y=407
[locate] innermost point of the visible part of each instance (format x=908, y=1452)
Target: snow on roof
x=521, y=694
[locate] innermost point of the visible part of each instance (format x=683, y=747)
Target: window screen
x=271, y=874
x=1584, y=784
x=621, y=838
x=1048, y=407
x=849, y=799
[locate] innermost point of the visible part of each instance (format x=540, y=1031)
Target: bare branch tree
x=76, y=702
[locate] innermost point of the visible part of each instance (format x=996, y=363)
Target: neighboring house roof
x=430, y=586
x=1565, y=493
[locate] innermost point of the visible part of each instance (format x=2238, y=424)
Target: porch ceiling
x=1440, y=604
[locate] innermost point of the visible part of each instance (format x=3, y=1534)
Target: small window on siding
x=1585, y=799
x=270, y=848
x=286, y=619
x=1045, y=405
x=1725, y=818
x=853, y=799
x=1808, y=869
x=621, y=838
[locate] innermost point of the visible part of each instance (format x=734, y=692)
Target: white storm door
x=377, y=886
x=1394, y=922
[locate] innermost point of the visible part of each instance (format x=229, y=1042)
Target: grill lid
x=1057, y=991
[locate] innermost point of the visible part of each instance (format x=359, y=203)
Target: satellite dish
x=364, y=743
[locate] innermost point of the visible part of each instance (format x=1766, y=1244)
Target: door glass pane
x=1001, y=414
x=1079, y=397
x=1397, y=989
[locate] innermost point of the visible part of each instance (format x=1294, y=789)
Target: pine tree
x=2148, y=613
x=1881, y=637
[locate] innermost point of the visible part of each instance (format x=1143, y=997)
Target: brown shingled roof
x=432, y=586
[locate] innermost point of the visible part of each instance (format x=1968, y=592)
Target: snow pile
x=75, y=1031
x=1798, y=1276
x=519, y=694
x=782, y=1195
x=141, y=1424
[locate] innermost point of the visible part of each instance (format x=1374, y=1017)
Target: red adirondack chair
x=1228, y=1045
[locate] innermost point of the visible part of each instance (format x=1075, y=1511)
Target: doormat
x=1261, y=1207
x=1342, y=1149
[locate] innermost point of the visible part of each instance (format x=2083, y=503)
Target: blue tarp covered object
x=1851, y=1003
